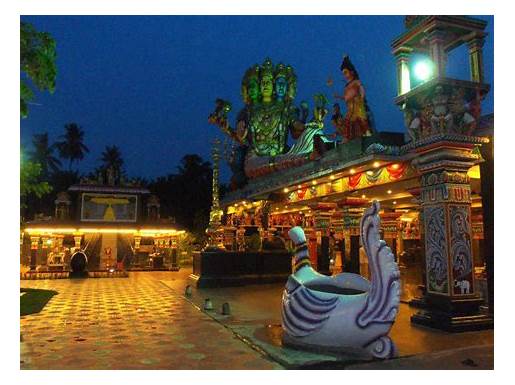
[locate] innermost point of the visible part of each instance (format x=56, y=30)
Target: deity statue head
x=348, y=70
x=281, y=82
x=292, y=82
x=250, y=85
x=267, y=81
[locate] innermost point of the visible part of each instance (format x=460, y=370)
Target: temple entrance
x=78, y=263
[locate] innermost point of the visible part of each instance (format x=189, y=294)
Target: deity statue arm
x=219, y=118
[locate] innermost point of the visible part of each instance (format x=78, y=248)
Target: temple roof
x=108, y=189
x=383, y=146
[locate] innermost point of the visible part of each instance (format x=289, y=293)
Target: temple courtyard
x=146, y=322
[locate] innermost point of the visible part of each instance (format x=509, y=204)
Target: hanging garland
x=358, y=181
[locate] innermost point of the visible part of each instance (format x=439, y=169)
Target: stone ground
x=145, y=322
x=127, y=323
x=256, y=316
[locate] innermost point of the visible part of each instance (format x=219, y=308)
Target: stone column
x=475, y=46
x=390, y=227
x=487, y=201
x=78, y=240
x=337, y=227
x=322, y=213
x=352, y=213
x=451, y=297
x=403, y=72
x=437, y=52
x=34, y=246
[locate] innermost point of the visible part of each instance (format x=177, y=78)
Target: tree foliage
x=37, y=64
x=43, y=153
x=72, y=146
x=187, y=195
x=30, y=182
x=112, y=157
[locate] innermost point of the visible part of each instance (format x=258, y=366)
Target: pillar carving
x=446, y=205
x=475, y=46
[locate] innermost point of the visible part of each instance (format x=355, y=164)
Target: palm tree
x=44, y=154
x=72, y=146
x=112, y=159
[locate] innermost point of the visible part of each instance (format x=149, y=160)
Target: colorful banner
x=390, y=173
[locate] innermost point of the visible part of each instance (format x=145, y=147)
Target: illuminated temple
x=434, y=182
x=111, y=226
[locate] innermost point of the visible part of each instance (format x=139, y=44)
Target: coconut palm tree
x=72, y=146
x=112, y=159
x=43, y=153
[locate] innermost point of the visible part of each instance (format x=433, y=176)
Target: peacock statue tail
x=344, y=312
x=384, y=295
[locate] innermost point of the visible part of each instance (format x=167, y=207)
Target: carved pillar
x=436, y=40
x=352, y=212
x=451, y=297
x=337, y=227
x=390, y=228
x=475, y=46
x=403, y=72
x=34, y=246
x=322, y=213
x=487, y=201
x=78, y=240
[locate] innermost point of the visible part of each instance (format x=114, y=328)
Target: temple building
x=434, y=183
x=112, y=225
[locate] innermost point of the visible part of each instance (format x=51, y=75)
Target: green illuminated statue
x=266, y=121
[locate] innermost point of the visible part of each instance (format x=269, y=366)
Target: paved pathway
x=127, y=323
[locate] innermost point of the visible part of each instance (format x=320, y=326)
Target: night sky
x=147, y=84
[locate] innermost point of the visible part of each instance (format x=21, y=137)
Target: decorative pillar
x=487, y=202
x=78, y=240
x=390, y=227
x=403, y=72
x=322, y=213
x=137, y=242
x=475, y=46
x=215, y=230
x=34, y=246
x=352, y=212
x=451, y=297
x=437, y=52
x=337, y=227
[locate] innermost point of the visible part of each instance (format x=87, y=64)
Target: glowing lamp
x=423, y=70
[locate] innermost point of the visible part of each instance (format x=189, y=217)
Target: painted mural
x=462, y=264
x=436, y=250
x=109, y=208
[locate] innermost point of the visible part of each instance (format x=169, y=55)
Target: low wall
x=236, y=268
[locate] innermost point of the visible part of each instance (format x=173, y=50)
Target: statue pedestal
x=216, y=268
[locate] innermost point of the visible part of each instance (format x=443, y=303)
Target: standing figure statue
x=357, y=121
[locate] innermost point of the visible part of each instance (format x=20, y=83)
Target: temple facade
x=434, y=182
x=111, y=225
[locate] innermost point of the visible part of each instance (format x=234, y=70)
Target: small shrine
x=113, y=225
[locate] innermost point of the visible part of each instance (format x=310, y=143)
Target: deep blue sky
x=147, y=84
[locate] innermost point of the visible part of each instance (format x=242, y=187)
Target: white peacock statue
x=346, y=312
